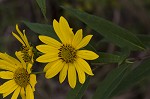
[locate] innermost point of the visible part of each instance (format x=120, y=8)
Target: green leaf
x=110, y=31
x=42, y=5
x=78, y=91
x=107, y=58
x=108, y=85
x=145, y=39
x=42, y=29
x=134, y=76
x=125, y=52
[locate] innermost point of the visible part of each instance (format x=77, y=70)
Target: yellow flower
x=66, y=57
x=19, y=75
x=26, y=50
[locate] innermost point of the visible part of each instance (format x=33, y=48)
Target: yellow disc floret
x=67, y=53
x=27, y=54
x=21, y=77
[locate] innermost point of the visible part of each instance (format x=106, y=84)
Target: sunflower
x=26, y=49
x=65, y=57
x=19, y=75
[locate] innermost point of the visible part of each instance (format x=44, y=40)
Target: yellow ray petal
x=72, y=75
x=10, y=59
x=19, y=56
x=63, y=73
x=29, y=92
x=49, y=65
x=16, y=93
x=49, y=57
x=88, y=55
x=58, y=32
x=47, y=49
x=84, y=42
x=33, y=81
x=81, y=74
x=66, y=30
x=77, y=38
x=20, y=33
x=84, y=66
x=6, y=75
x=7, y=86
x=54, y=69
x=22, y=93
x=7, y=66
x=10, y=91
x=50, y=41
x=18, y=38
x=28, y=67
x=3, y=62
x=25, y=39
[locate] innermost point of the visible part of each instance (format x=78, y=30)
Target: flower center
x=67, y=53
x=21, y=77
x=27, y=54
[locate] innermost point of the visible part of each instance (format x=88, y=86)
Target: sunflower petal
x=8, y=58
x=20, y=33
x=19, y=56
x=18, y=38
x=77, y=38
x=58, y=32
x=84, y=42
x=50, y=41
x=33, y=81
x=48, y=57
x=49, y=65
x=7, y=86
x=84, y=66
x=29, y=92
x=28, y=67
x=47, y=49
x=6, y=75
x=72, y=75
x=7, y=66
x=10, y=91
x=25, y=39
x=54, y=69
x=3, y=62
x=63, y=73
x=22, y=93
x=66, y=30
x=88, y=55
x=16, y=93
x=81, y=74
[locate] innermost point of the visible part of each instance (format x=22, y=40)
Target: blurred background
x=134, y=15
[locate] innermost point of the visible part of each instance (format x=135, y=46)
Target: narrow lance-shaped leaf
x=108, y=85
x=145, y=39
x=107, y=58
x=42, y=5
x=125, y=52
x=42, y=29
x=110, y=31
x=134, y=76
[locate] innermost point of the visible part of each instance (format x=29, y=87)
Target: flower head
x=19, y=75
x=26, y=49
x=65, y=57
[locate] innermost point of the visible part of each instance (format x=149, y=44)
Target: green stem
x=38, y=72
